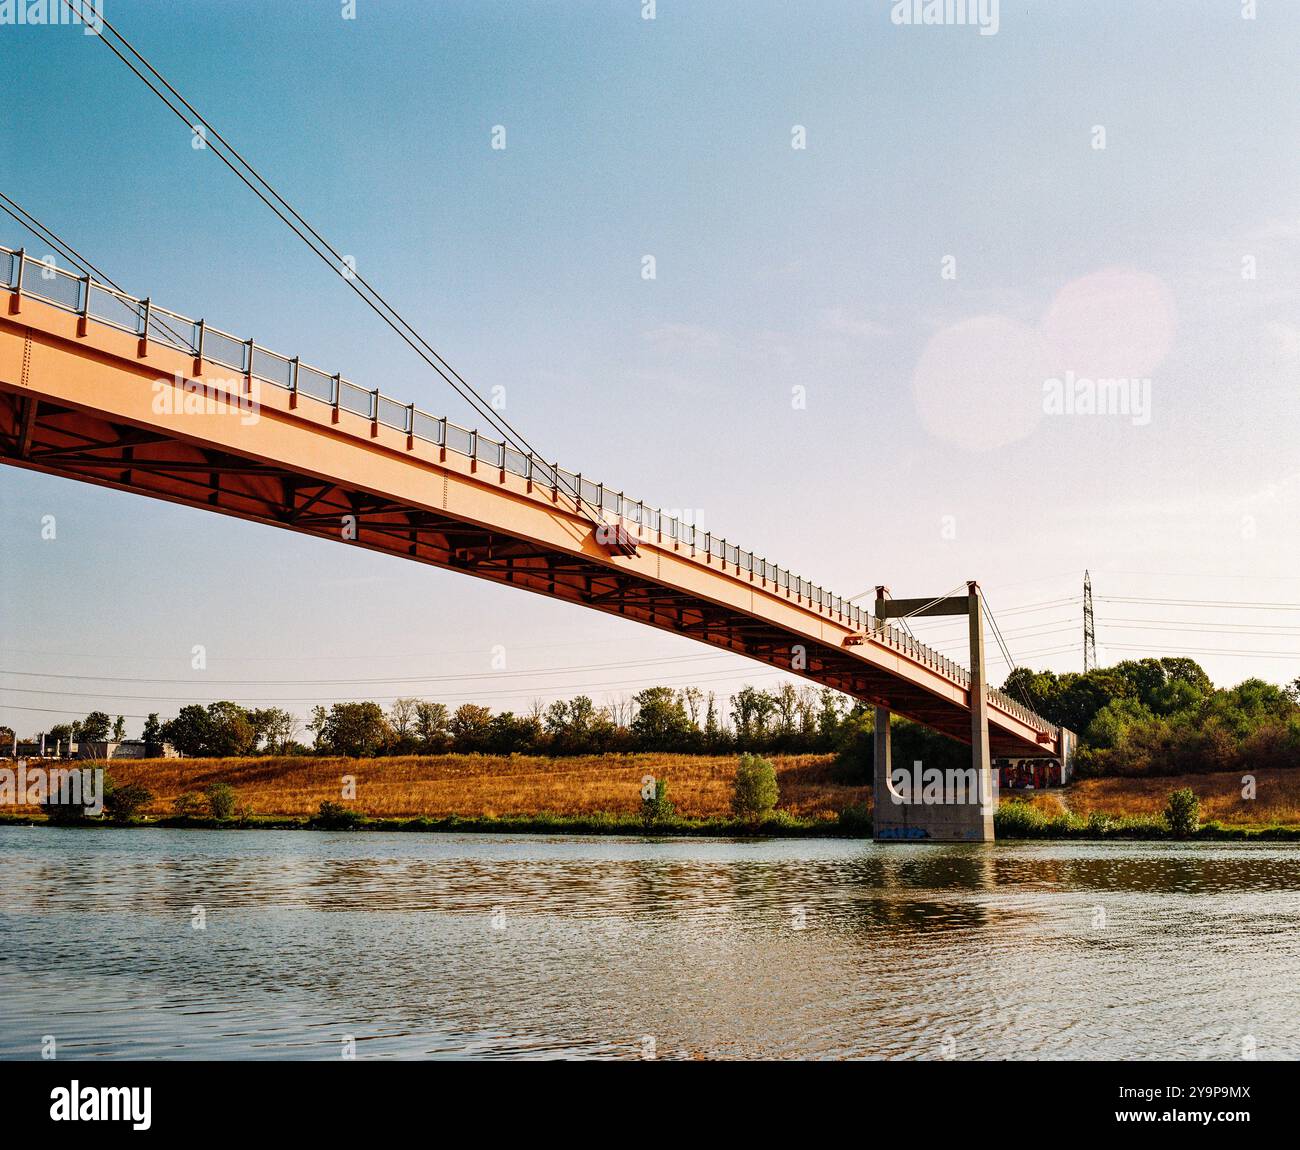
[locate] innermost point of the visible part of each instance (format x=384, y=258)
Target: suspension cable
x=49, y=236
x=938, y=599
x=1006, y=651
x=330, y=255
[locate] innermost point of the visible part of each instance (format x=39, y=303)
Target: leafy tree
x=188, y=804
x=336, y=817
x=692, y=699
x=188, y=732
x=119, y=729
x=830, y=717
x=582, y=717
x=661, y=722
x=750, y=711
x=655, y=807
x=401, y=717
x=1113, y=722
x=1082, y=696
x=276, y=726
x=432, y=727
x=1182, y=670
x=221, y=800
x=807, y=707
x=578, y=726
x=713, y=733
x=1248, y=705
x=470, y=728
x=1041, y=690
x=754, y=792
x=514, y=734
x=1174, y=696
x=123, y=803
x=1183, y=812
x=153, y=736
x=354, y=729
x=230, y=731
x=786, y=704
x=94, y=728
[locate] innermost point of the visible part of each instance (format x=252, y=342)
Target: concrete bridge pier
x=916, y=803
x=913, y=803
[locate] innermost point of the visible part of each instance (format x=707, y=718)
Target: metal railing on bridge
x=85, y=297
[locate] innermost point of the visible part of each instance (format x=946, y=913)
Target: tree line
x=686, y=720
x=1144, y=716
x=1165, y=717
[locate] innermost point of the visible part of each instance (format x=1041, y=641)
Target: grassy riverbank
x=490, y=786
x=601, y=795
x=545, y=822
x=1014, y=821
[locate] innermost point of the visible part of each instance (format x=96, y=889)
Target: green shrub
x=754, y=793
x=856, y=819
x=124, y=802
x=1018, y=820
x=336, y=817
x=657, y=808
x=1100, y=823
x=221, y=800
x=189, y=804
x=1183, y=812
x=854, y=751
x=64, y=814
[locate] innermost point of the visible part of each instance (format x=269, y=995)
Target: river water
x=269, y=944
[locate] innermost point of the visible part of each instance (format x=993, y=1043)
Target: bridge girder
x=71, y=411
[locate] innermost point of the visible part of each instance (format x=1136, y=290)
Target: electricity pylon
x=1089, y=631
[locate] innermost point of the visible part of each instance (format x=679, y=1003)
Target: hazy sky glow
x=951, y=255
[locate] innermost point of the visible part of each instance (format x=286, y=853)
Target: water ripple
x=441, y=946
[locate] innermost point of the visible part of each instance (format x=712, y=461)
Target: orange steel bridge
x=111, y=390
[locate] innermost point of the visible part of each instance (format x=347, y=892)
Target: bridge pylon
x=916, y=803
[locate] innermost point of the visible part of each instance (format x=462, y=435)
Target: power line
x=1209, y=651
x=1203, y=575
x=1220, y=604
x=1006, y=651
x=523, y=692
x=361, y=682
x=1027, y=609
x=1190, y=627
x=1033, y=631
x=1050, y=651
x=328, y=657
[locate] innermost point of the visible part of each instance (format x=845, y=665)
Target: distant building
x=46, y=748
x=125, y=749
x=1030, y=774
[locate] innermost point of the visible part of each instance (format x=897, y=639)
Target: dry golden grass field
x=698, y=785
x=491, y=785
x=1277, y=796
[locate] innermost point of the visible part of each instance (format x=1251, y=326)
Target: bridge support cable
x=927, y=606
x=1006, y=650
x=325, y=251
x=61, y=247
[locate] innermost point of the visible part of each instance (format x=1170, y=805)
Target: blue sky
x=923, y=456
